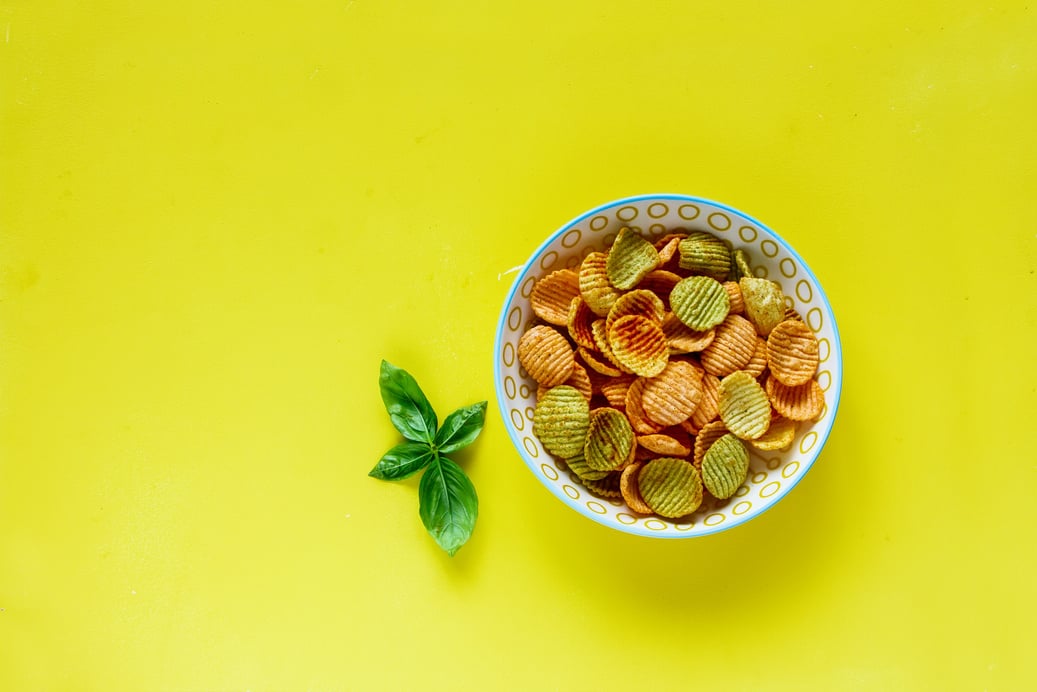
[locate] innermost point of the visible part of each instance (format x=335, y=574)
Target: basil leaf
x=402, y=461
x=461, y=427
x=409, y=410
x=447, y=504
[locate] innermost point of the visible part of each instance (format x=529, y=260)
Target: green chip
x=607, y=486
x=630, y=258
x=700, y=302
x=739, y=265
x=671, y=487
x=560, y=421
x=610, y=440
x=704, y=253
x=578, y=465
x=725, y=466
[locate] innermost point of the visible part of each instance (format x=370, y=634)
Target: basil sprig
x=447, y=502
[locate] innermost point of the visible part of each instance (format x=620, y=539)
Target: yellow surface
x=217, y=218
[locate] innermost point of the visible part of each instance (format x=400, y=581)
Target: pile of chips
x=658, y=363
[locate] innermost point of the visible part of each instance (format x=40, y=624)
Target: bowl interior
x=771, y=474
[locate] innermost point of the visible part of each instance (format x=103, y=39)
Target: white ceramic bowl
x=771, y=474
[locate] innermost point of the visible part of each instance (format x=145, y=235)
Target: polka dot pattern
x=770, y=477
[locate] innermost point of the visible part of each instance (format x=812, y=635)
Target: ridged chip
x=778, y=437
x=671, y=487
x=579, y=380
x=710, y=433
x=704, y=253
x=610, y=440
x=668, y=250
x=629, y=259
x=660, y=282
x=792, y=314
x=629, y=490
x=673, y=395
x=700, y=302
x=764, y=303
x=683, y=339
x=546, y=355
x=801, y=402
x=607, y=487
x=734, y=297
x=732, y=348
x=725, y=466
x=636, y=302
x=639, y=345
x=744, y=405
x=792, y=353
x=560, y=421
x=666, y=445
x=553, y=294
x=578, y=465
x=614, y=389
x=595, y=288
x=579, y=323
x=601, y=339
x=740, y=265
x=597, y=362
x=758, y=363
x=709, y=404
x=635, y=409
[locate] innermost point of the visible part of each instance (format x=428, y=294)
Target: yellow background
x=217, y=218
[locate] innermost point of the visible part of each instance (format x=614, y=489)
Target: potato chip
x=665, y=445
x=682, y=339
x=553, y=294
x=610, y=440
x=668, y=250
x=700, y=302
x=668, y=238
x=606, y=487
x=732, y=348
x=792, y=314
x=660, y=282
x=636, y=302
x=740, y=265
x=601, y=340
x=635, y=409
x=560, y=421
x=758, y=363
x=710, y=433
x=595, y=288
x=546, y=355
x=725, y=466
x=629, y=259
x=629, y=490
x=734, y=297
x=778, y=437
x=673, y=395
x=579, y=323
x=744, y=405
x=578, y=465
x=704, y=253
x=800, y=403
x=672, y=488
x=614, y=389
x=579, y=380
x=792, y=353
x=639, y=345
x=764, y=303
x=597, y=362
x=709, y=403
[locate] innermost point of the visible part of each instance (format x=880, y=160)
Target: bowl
x=772, y=475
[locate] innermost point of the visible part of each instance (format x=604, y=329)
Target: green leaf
x=409, y=410
x=448, y=504
x=461, y=427
x=403, y=461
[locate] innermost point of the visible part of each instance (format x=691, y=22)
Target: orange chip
x=758, y=363
x=732, y=348
x=778, y=437
x=792, y=353
x=553, y=294
x=668, y=250
x=791, y=314
x=709, y=434
x=673, y=395
x=546, y=355
x=709, y=404
x=597, y=362
x=636, y=302
x=660, y=282
x=579, y=380
x=734, y=295
x=665, y=445
x=635, y=409
x=579, y=322
x=683, y=339
x=639, y=345
x=602, y=341
x=665, y=240
x=801, y=402
x=595, y=287
x=629, y=490
x=614, y=389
